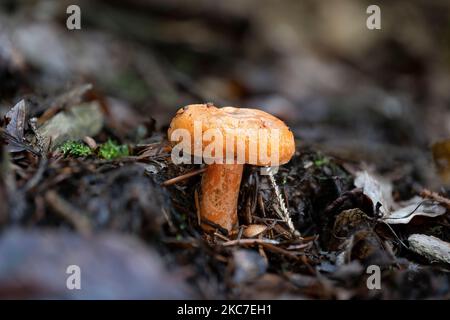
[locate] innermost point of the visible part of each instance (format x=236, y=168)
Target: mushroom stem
x=220, y=193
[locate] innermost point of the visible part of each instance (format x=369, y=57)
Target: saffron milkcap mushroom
x=228, y=138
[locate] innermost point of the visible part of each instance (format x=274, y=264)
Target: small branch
x=169, y=221
x=249, y=242
x=279, y=250
x=68, y=212
x=218, y=235
x=269, y=244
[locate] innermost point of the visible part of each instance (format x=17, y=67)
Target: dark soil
x=136, y=236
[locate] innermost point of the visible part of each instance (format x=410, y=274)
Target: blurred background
x=312, y=63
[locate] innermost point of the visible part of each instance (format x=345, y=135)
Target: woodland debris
x=254, y=229
x=250, y=242
x=380, y=192
x=283, y=213
x=16, y=121
x=64, y=101
x=74, y=124
x=437, y=197
x=69, y=213
x=416, y=206
x=183, y=177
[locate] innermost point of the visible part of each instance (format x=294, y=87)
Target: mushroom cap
x=250, y=124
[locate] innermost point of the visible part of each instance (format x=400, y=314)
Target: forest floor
x=86, y=176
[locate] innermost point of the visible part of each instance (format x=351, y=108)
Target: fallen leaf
x=416, y=206
x=75, y=124
x=254, y=229
x=380, y=192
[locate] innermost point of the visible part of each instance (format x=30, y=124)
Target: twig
x=169, y=221
x=299, y=246
x=261, y=204
x=435, y=196
x=68, y=212
x=249, y=242
x=241, y=230
x=267, y=219
x=266, y=243
x=183, y=177
x=218, y=235
x=282, y=251
x=215, y=226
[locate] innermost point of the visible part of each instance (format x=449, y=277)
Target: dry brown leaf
x=16, y=119
x=254, y=229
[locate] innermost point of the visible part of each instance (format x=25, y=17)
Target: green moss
x=111, y=150
x=75, y=149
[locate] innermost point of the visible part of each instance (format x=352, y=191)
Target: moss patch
x=111, y=150
x=75, y=149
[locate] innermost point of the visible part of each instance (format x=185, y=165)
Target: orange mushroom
x=248, y=136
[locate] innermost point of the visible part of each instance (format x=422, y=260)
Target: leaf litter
x=129, y=215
